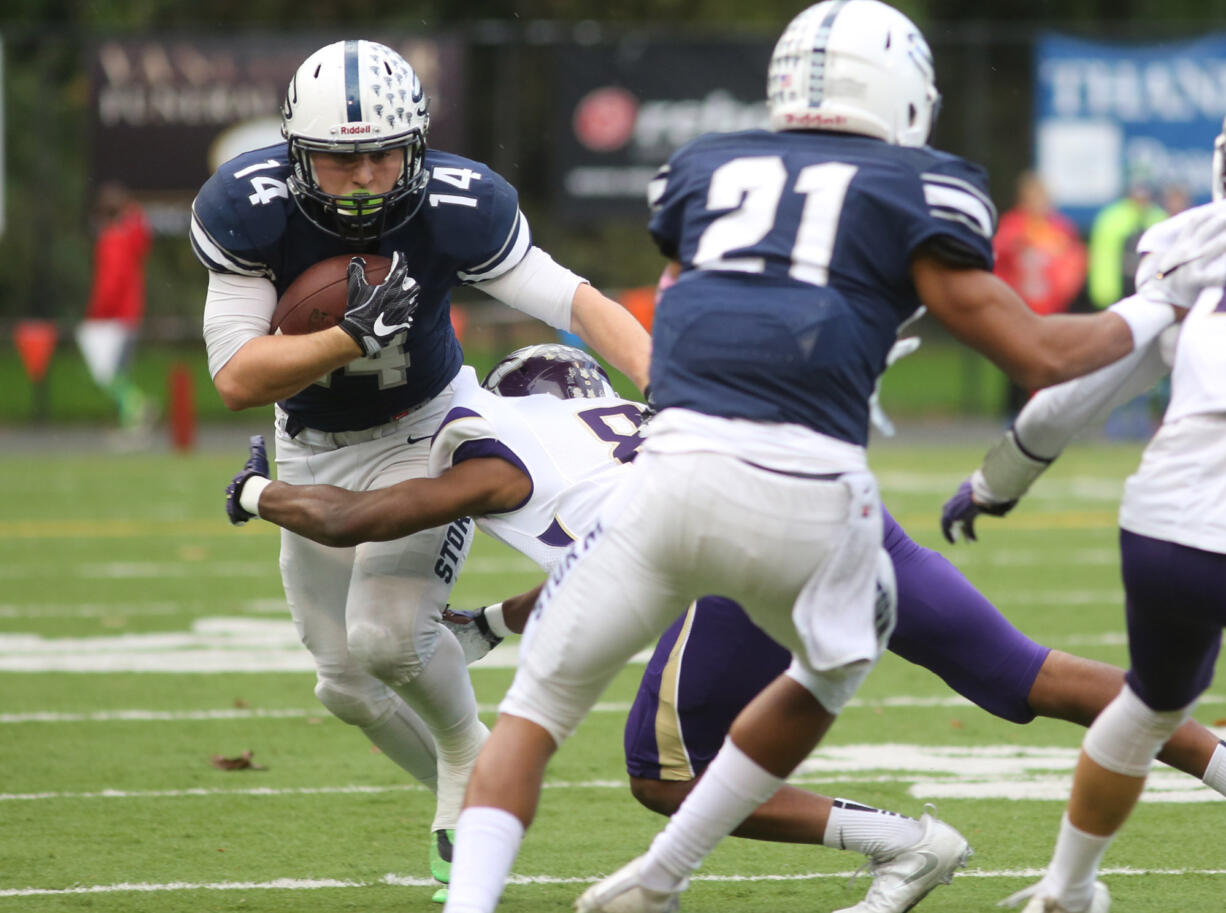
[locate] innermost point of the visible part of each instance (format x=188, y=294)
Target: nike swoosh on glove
x=377, y=314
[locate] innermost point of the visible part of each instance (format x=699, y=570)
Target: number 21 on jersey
x=752, y=188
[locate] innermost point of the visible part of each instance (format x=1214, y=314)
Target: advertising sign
x=624, y=108
x=1109, y=115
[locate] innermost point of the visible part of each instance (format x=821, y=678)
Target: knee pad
x=393, y=656
x=1128, y=735
x=356, y=706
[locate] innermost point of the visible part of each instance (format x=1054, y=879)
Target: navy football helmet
x=561, y=371
x=351, y=97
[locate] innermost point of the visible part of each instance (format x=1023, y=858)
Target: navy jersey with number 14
x=469, y=229
x=795, y=250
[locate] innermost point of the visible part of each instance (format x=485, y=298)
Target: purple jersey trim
x=556, y=536
x=489, y=448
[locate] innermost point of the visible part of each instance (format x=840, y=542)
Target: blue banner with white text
x=1111, y=118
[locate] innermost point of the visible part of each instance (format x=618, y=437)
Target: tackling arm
x=338, y=517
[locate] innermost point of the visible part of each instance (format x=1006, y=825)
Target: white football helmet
x=1218, y=187
x=356, y=96
x=856, y=66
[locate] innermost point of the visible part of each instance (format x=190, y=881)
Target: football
x=316, y=299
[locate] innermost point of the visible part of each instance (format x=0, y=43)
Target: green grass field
x=140, y=634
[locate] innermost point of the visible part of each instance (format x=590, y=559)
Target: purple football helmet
x=561, y=371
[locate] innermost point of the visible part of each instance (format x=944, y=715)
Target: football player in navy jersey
x=357, y=403
x=801, y=248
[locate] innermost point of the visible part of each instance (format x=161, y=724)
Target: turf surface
x=110, y=803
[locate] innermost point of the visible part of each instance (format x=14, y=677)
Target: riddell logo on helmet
x=357, y=130
x=816, y=119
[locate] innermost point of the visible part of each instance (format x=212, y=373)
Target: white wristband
x=1007, y=472
x=249, y=498
x=493, y=618
x=1146, y=319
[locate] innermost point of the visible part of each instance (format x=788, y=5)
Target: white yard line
x=315, y=884
x=1024, y=773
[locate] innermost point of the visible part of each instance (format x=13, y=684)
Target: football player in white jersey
x=356, y=403
x=1172, y=547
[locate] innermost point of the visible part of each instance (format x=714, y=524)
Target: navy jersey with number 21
x=795, y=250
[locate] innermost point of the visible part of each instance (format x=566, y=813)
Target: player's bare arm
x=271, y=368
x=338, y=517
x=374, y=316
x=612, y=331
x=986, y=314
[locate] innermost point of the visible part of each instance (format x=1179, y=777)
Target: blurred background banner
x=1108, y=115
x=624, y=107
x=166, y=111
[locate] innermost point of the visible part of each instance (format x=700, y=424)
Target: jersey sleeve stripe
x=963, y=185
x=656, y=187
x=512, y=251
x=219, y=260
x=946, y=202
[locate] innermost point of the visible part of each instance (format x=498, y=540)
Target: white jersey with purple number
x=1179, y=491
x=573, y=450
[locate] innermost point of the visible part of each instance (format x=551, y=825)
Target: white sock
x=1074, y=866
x=1215, y=771
x=406, y=741
x=732, y=787
x=486, y=843
x=871, y=831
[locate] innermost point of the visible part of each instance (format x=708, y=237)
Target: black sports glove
x=376, y=313
x=256, y=465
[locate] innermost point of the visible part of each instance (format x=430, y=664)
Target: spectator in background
x=1041, y=256
x=108, y=334
x=1113, y=266
x=1113, y=241
x=1175, y=199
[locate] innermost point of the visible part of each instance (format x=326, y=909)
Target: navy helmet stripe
x=353, y=97
x=817, y=78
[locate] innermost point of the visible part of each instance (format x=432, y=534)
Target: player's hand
x=472, y=630
x=1191, y=263
x=256, y=465
x=376, y=314
x=959, y=513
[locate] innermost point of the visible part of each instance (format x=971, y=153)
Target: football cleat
x=472, y=631
x=622, y=893
x=441, y=844
x=903, y=879
x=1100, y=901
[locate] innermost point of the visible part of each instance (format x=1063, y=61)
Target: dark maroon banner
x=166, y=111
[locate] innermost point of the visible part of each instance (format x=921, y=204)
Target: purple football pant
x=711, y=662
x=1175, y=598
